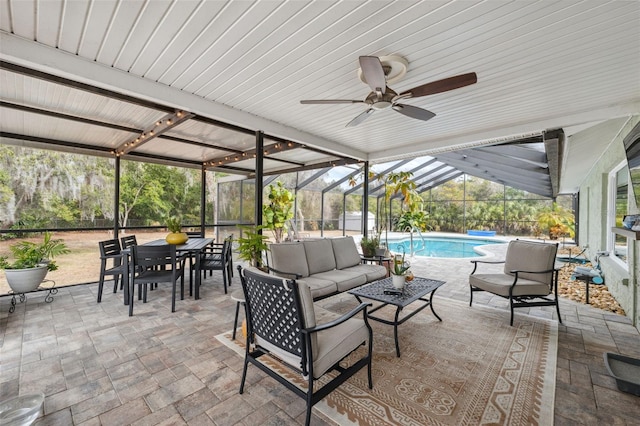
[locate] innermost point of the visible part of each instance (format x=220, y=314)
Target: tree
x=279, y=210
x=557, y=221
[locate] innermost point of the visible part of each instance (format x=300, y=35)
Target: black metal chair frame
x=149, y=264
x=110, y=250
x=274, y=311
x=218, y=258
x=523, y=301
x=128, y=241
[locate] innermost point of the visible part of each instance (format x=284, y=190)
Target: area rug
x=470, y=369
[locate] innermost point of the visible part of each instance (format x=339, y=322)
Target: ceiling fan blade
x=414, y=112
x=440, y=86
x=331, y=101
x=373, y=73
x=360, y=118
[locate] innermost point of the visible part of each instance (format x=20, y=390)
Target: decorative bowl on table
x=21, y=410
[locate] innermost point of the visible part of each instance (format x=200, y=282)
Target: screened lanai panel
x=36, y=92
x=41, y=126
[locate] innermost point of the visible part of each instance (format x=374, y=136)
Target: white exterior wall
x=593, y=228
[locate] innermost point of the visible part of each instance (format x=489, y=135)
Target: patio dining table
x=192, y=248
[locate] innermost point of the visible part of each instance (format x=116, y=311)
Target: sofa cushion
x=372, y=272
x=320, y=287
x=345, y=280
x=289, y=258
x=345, y=252
x=319, y=256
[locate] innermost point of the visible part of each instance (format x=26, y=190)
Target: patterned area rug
x=470, y=369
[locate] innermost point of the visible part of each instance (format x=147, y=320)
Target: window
x=617, y=209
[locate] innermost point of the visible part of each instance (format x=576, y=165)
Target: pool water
x=440, y=247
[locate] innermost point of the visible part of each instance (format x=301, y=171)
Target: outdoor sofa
x=327, y=265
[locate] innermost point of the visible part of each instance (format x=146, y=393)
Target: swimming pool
x=440, y=246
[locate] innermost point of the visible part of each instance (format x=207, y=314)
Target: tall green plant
x=252, y=244
x=278, y=211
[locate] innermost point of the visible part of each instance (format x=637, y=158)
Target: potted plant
x=175, y=236
x=252, y=244
x=32, y=262
x=400, y=272
x=369, y=245
x=278, y=211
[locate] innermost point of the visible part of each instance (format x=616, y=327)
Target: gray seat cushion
x=530, y=256
x=319, y=256
x=345, y=280
x=319, y=286
x=329, y=346
x=345, y=252
x=373, y=272
x=500, y=283
x=290, y=258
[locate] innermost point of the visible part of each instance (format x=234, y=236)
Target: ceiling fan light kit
x=378, y=72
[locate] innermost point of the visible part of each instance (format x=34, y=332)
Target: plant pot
x=381, y=251
x=177, y=238
x=25, y=280
x=398, y=281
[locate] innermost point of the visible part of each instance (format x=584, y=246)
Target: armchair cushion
x=320, y=256
x=500, y=283
x=345, y=252
x=530, y=256
x=329, y=346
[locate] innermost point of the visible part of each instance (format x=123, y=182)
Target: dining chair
x=110, y=252
x=218, y=258
x=128, y=241
x=156, y=264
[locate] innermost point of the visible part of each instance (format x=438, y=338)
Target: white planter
x=25, y=280
x=398, y=281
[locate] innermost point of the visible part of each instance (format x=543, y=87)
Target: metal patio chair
x=281, y=321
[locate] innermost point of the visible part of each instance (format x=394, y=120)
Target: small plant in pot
x=31, y=262
x=175, y=236
x=400, y=272
x=252, y=244
x=369, y=245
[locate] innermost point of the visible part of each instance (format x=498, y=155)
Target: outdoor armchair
x=282, y=321
x=529, y=278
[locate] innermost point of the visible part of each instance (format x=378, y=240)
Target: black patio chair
x=156, y=264
x=219, y=258
x=110, y=252
x=128, y=241
x=281, y=321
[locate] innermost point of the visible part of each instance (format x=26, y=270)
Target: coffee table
x=413, y=291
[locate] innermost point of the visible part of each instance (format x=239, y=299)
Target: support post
x=116, y=200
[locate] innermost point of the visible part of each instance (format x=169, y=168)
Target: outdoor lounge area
x=97, y=365
x=127, y=124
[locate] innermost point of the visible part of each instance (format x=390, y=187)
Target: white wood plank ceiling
x=541, y=65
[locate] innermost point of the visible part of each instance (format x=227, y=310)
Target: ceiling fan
x=375, y=72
